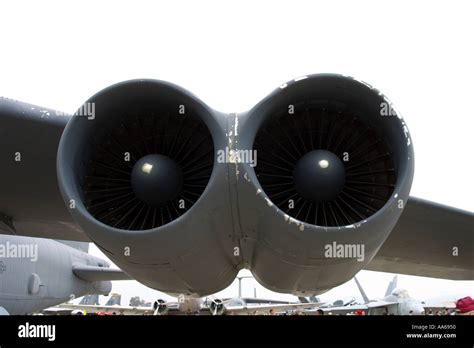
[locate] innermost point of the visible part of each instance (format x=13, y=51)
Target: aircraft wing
x=277, y=308
x=30, y=201
x=58, y=310
x=430, y=240
x=343, y=309
x=68, y=308
x=94, y=274
x=380, y=304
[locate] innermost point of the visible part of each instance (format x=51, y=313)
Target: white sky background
x=233, y=53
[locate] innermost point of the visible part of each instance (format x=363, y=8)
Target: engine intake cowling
x=217, y=307
x=136, y=167
x=334, y=169
x=160, y=307
x=145, y=159
x=164, y=186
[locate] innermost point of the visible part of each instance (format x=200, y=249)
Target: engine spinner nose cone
x=319, y=176
x=156, y=179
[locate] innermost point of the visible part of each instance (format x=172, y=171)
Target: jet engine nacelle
x=303, y=189
x=137, y=169
x=334, y=170
x=160, y=307
x=217, y=307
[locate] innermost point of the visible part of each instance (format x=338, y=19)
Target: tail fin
x=362, y=292
x=391, y=286
x=90, y=300
x=310, y=299
x=115, y=299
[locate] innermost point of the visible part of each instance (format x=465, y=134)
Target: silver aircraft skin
x=37, y=273
x=185, y=305
x=396, y=301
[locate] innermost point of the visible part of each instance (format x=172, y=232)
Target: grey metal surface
x=287, y=255
x=191, y=255
x=95, y=273
x=233, y=224
x=430, y=240
x=30, y=201
x=33, y=280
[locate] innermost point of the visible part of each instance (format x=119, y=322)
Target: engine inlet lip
x=279, y=99
x=77, y=132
